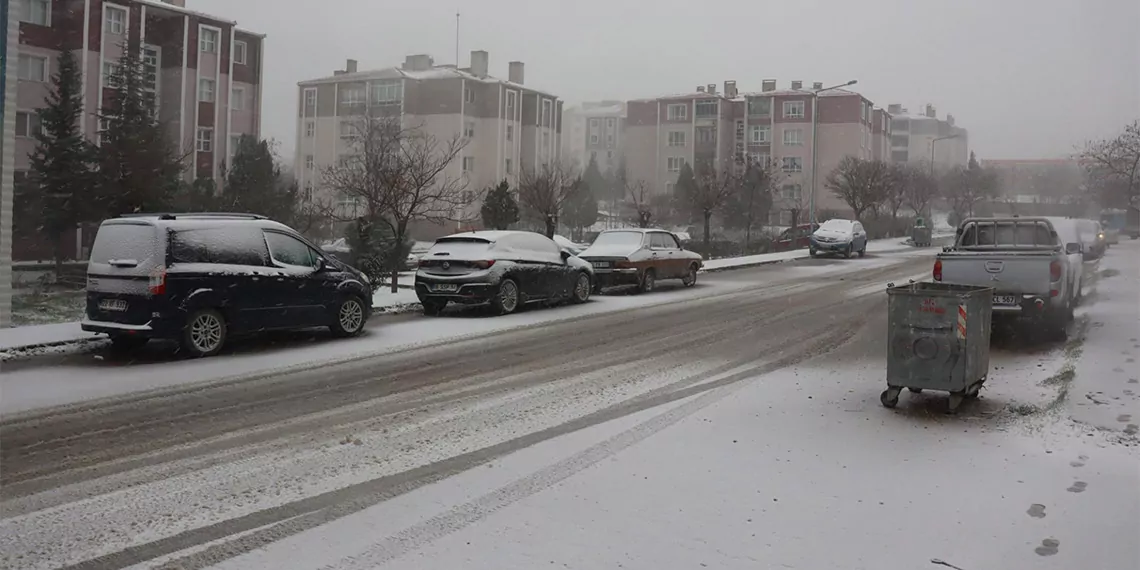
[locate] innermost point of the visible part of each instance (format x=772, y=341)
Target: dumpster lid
x=929, y=288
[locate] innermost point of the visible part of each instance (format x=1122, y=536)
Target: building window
x=793, y=137
x=706, y=108
x=231, y=150
x=794, y=109
x=469, y=164
x=760, y=106
x=469, y=129
x=110, y=74
x=205, y=139
x=32, y=67
x=27, y=124
x=37, y=12
x=759, y=159
x=758, y=134
x=674, y=163
x=152, y=63
x=594, y=139
x=677, y=112
x=510, y=132
x=205, y=90
x=116, y=20
x=237, y=99
x=310, y=129
x=347, y=129
x=207, y=40
x=676, y=138
x=511, y=95
x=791, y=191
x=240, y=49
x=609, y=140
x=310, y=162
x=793, y=164
x=611, y=124
x=389, y=91
x=352, y=95
x=510, y=167
x=310, y=97
x=595, y=124
x=546, y=107
x=705, y=135
x=468, y=95
x=669, y=188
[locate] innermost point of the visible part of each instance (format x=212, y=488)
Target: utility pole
x=457, y=40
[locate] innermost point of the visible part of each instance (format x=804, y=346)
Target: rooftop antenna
x=457, y=40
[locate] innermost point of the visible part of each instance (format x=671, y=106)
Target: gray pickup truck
x=1033, y=263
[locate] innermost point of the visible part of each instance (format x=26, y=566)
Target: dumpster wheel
x=890, y=397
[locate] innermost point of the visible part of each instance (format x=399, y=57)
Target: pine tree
x=61, y=164
x=500, y=209
x=581, y=210
x=139, y=165
x=255, y=183
x=685, y=189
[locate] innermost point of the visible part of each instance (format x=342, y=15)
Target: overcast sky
x=1027, y=78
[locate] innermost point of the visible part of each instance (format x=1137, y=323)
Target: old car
x=640, y=257
x=504, y=269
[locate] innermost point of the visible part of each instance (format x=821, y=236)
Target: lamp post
x=936, y=139
x=815, y=145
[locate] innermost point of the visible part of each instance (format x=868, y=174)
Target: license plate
x=601, y=264
x=446, y=287
x=1005, y=300
x=113, y=305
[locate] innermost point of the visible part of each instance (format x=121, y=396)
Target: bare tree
x=707, y=196
x=393, y=175
x=1114, y=167
x=919, y=188
x=965, y=188
x=752, y=198
x=640, y=200
x=895, y=193
x=862, y=184
x=546, y=189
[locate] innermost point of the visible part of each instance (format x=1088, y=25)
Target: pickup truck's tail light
x=1055, y=271
x=938, y=270
x=485, y=264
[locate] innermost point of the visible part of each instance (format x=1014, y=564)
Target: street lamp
x=936, y=139
x=815, y=145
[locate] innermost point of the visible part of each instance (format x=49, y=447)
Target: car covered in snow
x=839, y=236
x=201, y=278
x=504, y=269
x=640, y=257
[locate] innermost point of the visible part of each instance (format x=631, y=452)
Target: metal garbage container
x=938, y=339
x=921, y=236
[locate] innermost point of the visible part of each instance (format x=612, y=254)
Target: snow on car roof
x=486, y=235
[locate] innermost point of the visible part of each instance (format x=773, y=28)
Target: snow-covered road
x=736, y=425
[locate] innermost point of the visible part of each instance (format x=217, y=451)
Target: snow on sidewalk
x=1105, y=392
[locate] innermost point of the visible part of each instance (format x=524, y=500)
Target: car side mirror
x=1072, y=248
x=565, y=254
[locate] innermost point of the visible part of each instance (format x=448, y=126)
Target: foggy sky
x=1027, y=78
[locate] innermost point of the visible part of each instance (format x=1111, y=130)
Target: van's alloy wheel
x=581, y=288
x=205, y=333
x=351, y=315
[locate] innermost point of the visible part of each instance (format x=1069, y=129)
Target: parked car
x=568, y=245
x=505, y=269
x=201, y=278
x=1092, y=238
x=798, y=237
x=839, y=236
x=640, y=257
x=1034, y=265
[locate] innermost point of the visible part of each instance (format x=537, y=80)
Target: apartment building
x=508, y=126
x=594, y=130
x=205, y=71
x=722, y=130
x=916, y=137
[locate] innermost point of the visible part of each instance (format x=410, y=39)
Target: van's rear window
x=231, y=246
x=124, y=241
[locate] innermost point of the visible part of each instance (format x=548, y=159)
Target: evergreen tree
x=61, y=164
x=255, y=183
x=685, y=189
x=593, y=178
x=581, y=210
x=500, y=209
x=139, y=166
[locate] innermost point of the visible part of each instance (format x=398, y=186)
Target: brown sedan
x=640, y=257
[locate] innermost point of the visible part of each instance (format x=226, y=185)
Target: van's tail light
x=158, y=282
x=1055, y=271
x=486, y=264
x=938, y=270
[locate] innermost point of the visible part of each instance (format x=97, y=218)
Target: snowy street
x=732, y=425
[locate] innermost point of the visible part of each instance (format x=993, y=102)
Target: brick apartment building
x=205, y=73
x=594, y=130
x=707, y=127
x=914, y=136
x=508, y=125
